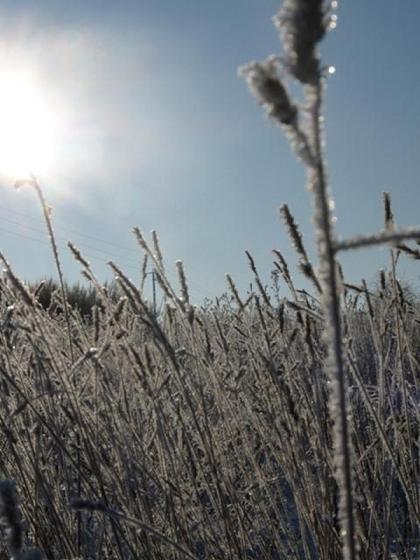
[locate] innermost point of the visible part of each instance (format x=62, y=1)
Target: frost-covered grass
x=210, y=426
x=257, y=426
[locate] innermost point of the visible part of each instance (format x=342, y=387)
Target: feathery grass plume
x=88, y=273
x=158, y=252
x=283, y=268
x=144, y=271
x=263, y=81
x=261, y=288
x=294, y=233
x=388, y=214
x=17, y=284
x=33, y=182
x=125, y=281
x=302, y=24
x=183, y=282
x=78, y=255
x=141, y=240
x=235, y=292
x=297, y=241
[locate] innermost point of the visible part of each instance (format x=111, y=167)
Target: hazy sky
x=145, y=122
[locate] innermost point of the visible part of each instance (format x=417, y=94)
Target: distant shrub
x=80, y=297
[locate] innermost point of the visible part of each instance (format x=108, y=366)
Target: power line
x=46, y=244
x=197, y=288
x=127, y=260
x=39, y=230
x=71, y=230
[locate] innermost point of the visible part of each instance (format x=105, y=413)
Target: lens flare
x=27, y=127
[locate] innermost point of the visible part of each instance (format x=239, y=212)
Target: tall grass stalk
x=46, y=210
x=302, y=25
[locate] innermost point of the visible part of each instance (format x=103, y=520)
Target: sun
x=28, y=132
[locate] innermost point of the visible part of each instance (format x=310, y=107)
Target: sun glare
x=27, y=127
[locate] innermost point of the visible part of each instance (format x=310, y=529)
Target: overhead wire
x=46, y=244
x=125, y=260
x=57, y=226
x=59, y=237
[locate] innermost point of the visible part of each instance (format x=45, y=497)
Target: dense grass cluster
x=209, y=426
x=254, y=427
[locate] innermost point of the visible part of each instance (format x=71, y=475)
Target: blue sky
x=153, y=128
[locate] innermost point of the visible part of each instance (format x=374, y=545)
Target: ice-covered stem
x=331, y=305
x=385, y=236
x=302, y=24
x=46, y=210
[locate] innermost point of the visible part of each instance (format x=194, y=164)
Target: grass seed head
x=302, y=25
x=263, y=81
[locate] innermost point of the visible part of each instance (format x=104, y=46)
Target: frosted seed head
x=301, y=25
x=264, y=82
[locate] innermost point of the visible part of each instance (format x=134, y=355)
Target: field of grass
x=209, y=426
x=257, y=426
